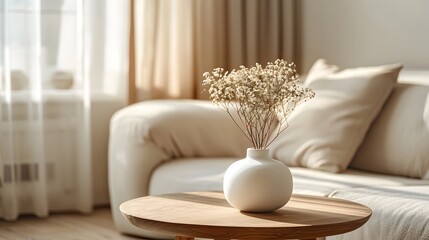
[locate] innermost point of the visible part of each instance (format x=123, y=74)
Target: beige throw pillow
x=325, y=132
x=398, y=140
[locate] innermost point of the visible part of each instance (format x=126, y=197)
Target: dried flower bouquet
x=262, y=98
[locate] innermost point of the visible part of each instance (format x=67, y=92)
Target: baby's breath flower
x=261, y=97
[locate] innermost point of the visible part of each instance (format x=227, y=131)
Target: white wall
x=102, y=109
x=365, y=32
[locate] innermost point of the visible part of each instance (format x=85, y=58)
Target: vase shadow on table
x=196, y=198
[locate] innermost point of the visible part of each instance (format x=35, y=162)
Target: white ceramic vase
x=257, y=183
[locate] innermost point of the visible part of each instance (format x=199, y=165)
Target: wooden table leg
x=183, y=238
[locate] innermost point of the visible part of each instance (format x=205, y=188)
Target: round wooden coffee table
x=208, y=215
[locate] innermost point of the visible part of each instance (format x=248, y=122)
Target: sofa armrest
x=190, y=128
x=144, y=135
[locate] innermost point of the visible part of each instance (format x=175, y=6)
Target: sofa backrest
x=398, y=141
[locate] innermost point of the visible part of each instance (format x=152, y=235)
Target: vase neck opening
x=258, y=153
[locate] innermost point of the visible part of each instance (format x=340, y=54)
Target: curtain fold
x=177, y=41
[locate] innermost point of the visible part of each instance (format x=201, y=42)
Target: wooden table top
x=208, y=215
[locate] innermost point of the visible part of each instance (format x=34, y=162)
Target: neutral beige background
x=365, y=32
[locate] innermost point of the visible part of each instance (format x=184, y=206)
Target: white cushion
x=398, y=212
x=325, y=132
x=206, y=174
x=310, y=181
x=398, y=140
x=188, y=175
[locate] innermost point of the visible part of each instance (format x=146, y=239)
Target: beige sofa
x=170, y=146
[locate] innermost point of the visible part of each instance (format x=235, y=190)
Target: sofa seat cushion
x=309, y=181
x=398, y=212
x=188, y=175
x=206, y=174
x=197, y=174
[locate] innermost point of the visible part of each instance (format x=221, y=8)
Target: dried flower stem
x=261, y=98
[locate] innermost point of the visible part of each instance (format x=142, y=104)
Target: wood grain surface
x=208, y=215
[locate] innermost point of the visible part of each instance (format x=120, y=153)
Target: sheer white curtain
x=52, y=64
